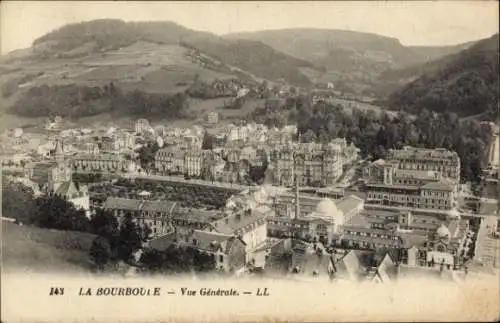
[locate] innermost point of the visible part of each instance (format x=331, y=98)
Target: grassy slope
x=44, y=250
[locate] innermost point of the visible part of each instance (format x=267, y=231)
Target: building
x=193, y=163
x=75, y=193
x=449, y=243
x=39, y=172
x=307, y=261
x=359, y=233
x=213, y=117
x=248, y=224
x=117, y=142
x=156, y=215
x=314, y=219
x=389, y=185
x=191, y=142
x=437, y=160
x=91, y=148
x=373, y=266
x=319, y=165
x=228, y=250
x=235, y=133
x=141, y=126
x=60, y=183
x=184, y=222
x=170, y=160
x=100, y=163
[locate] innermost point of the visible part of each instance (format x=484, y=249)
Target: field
x=144, y=66
x=44, y=250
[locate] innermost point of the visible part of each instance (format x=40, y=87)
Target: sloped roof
x=310, y=263
x=197, y=215
x=162, y=243
x=410, y=240
x=359, y=221
x=348, y=265
x=239, y=221
x=210, y=241
x=443, y=185
x=158, y=206
x=68, y=188
x=122, y=204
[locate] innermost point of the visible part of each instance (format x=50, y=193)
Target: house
x=141, y=126
x=228, y=251
x=185, y=221
x=310, y=262
x=163, y=242
x=249, y=224
x=75, y=193
x=373, y=266
x=193, y=162
x=154, y=214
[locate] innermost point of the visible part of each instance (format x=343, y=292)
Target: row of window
x=371, y=235
x=403, y=198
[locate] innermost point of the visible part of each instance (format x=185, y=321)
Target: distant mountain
x=108, y=35
x=154, y=57
x=348, y=57
x=465, y=83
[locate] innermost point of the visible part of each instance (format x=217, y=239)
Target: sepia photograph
x=253, y=161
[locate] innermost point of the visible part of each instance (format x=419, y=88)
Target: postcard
x=253, y=161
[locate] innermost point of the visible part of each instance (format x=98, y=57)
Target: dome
x=443, y=232
x=328, y=208
x=454, y=213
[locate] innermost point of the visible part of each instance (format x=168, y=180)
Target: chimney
x=297, y=205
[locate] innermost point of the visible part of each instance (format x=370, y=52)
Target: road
x=487, y=246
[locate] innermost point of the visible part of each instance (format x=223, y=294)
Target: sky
x=412, y=22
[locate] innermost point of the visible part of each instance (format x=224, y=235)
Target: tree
x=100, y=252
x=57, y=213
x=147, y=154
x=18, y=202
x=208, y=141
x=309, y=136
x=152, y=260
x=103, y=223
x=130, y=238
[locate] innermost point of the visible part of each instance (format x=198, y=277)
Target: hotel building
x=413, y=182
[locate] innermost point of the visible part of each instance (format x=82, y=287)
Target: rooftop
x=414, y=152
x=442, y=185
x=240, y=220
x=119, y=203
x=196, y=215
x=347, y=204
x=163, y=242
x=209, y=241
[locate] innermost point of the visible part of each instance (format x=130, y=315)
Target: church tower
x=61, y=172
x=59, y=152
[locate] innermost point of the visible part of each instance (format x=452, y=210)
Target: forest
x=465, y=84
x=375, y=133
x=80, y=101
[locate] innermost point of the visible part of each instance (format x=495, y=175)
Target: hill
x=45, y=250
x=108, y=36
x=465, y=83
x=350, y=59
x=151, y=57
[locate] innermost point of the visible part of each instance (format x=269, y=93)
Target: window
x=221, y=258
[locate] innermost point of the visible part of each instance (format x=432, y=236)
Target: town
x=246, y=199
